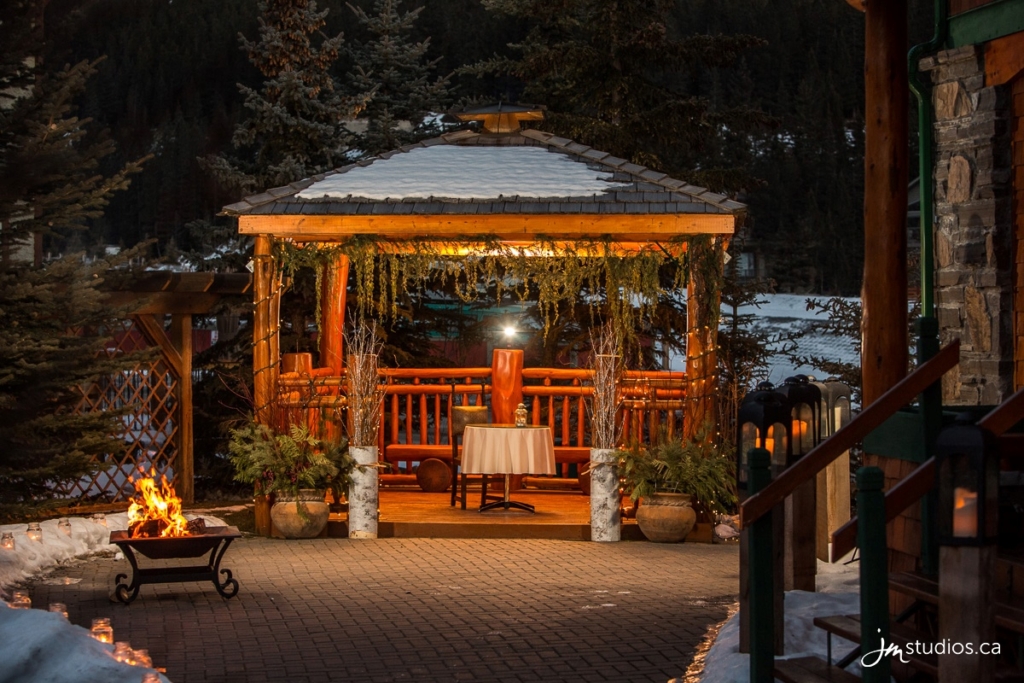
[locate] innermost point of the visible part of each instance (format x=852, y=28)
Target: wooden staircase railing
x=860, y=426
x=916, y=484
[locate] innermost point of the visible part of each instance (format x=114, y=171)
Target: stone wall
x=974, y=226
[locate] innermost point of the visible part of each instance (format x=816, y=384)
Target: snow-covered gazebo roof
x=516, y=186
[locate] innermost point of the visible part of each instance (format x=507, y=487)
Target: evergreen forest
x=771, y=93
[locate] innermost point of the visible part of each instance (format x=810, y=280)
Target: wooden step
x=811, y=670
x=1009, y=609
x=848, y=627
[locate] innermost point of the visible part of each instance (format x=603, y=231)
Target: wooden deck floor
x=411, y=513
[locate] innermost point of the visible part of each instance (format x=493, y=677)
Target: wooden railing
x=915, y=485
x=417, y=406
x=853, y=433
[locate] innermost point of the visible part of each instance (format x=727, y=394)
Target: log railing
x=417, y=406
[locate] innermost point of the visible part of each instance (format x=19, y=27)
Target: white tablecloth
x=501, y=449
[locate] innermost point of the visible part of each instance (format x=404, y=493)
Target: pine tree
x=49, y=316
x=295, y=124
x=619, y=76
x=50, y=184
x=398, y=75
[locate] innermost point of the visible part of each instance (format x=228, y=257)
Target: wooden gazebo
x=502, y=183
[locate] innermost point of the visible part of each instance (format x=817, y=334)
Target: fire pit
x=158, y=530
x=214, y=540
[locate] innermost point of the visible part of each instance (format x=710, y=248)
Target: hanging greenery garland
x=593, y=272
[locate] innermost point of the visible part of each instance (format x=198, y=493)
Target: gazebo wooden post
x=265, y=330
x=332, y=314
x=701, y=353
x=181, y=338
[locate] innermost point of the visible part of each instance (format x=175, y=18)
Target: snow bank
x=87, y=537
x=42, y=647
x=838, y=593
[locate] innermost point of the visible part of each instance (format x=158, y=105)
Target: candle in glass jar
x=123, y=652
x=965, y=512
x=142, y=658
x=102, y=630
x=65, y=526
x=151, y=677
x=21, y=600
x=100, y=518
x=34, y=532
x=59, y=608
x=7, y=540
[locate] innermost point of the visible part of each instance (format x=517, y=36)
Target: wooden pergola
x=517, y=186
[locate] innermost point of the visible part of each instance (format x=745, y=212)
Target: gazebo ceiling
x=518, y=187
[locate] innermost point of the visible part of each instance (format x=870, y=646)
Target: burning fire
x=156, y=511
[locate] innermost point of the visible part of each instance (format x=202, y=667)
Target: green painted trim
x=902, y=435
x=985, y=23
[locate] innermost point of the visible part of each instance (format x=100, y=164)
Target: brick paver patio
x=423, y=610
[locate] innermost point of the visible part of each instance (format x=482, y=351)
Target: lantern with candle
x=34, y=532
x=764, y=422
x=835, y=405
x=967, y=467
x=805, y=413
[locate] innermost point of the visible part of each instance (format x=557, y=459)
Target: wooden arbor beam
x=624, y=227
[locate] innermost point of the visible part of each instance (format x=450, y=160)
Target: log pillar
x=266, y=321
x=701, y=341
x=884, y=354
x=181, y=339
x=332, y=314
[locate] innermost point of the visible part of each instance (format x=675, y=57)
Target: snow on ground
x=838, y=593
x=87, y=537
x=455, y=172
x=38, y=646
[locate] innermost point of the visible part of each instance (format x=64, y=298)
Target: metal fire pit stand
x=214, y=541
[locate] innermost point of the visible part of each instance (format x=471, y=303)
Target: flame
x=156, y=502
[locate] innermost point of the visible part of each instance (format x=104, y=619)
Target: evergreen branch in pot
x=286, y=463
x=698, y=468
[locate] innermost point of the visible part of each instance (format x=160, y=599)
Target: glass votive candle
x=7, y=540
x=59, y=608
x=65, y=526
x=21, y=600
x=150, y=677
x=142, y=658
x=34, y=532
x=102, y=630
x=100, y=518
x=123, y=652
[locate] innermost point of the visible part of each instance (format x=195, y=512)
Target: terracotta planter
x=666, y=517
x=307, y=523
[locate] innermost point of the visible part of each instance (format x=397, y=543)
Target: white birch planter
x=605, y=520
x=363, y=495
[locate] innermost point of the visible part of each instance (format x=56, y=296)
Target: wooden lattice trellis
x=150, y=393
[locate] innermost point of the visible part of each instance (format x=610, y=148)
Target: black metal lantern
x=835, y=405
x=805, y=401
x=763, y=422
x=967, y=470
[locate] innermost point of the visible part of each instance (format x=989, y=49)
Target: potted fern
x=297, y=467
x=673, y=476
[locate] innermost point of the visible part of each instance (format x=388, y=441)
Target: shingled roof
x=414, y=180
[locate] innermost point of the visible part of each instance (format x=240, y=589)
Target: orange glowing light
x=156, y=503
